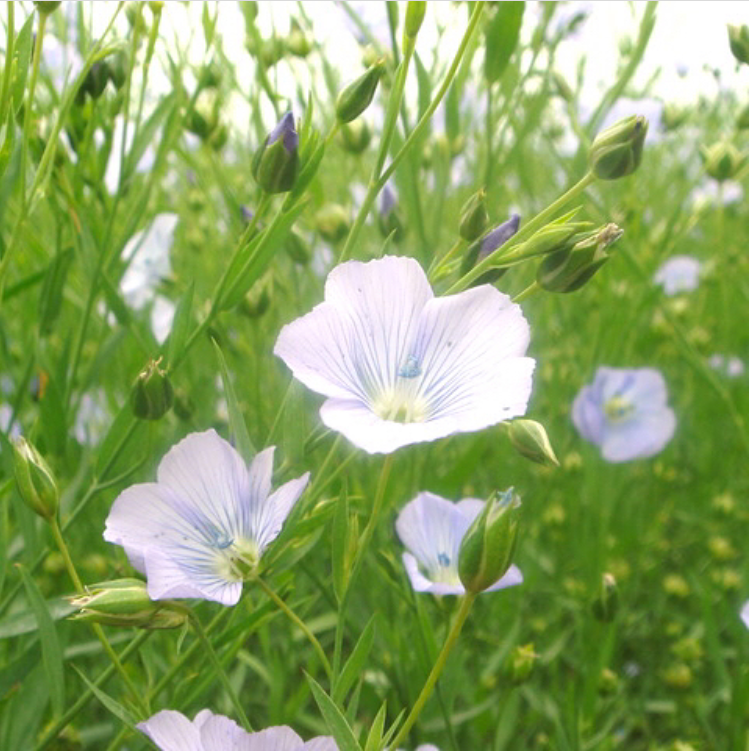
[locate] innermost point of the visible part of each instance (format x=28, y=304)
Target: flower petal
x=171, y=731
x=587, y=414
x=323, y=743
x=281, y=738
x=745, y=614
x=219, y=733
x=354, y=343
x=269, y=516
x=421, y=584
x=512, y=577
x=640, y=437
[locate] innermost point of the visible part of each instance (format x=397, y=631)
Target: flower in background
x=401, y=366
x=199, y=531
x=678, y=274
x=745, y=614
x=624, y=411
x=728, y=365
x=172, y=731
x=93, y=418
x=432, y=528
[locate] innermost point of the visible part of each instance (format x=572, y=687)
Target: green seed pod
x=738, y=40
x=297, y=42
x=45, y=7
x=276, y=162
x=473, y=216
x=34, y=479
x=489, y=544
x=617, y=151
x=218, y=137
x=415, y=12
x=332, y=222
x=722, y=160
x=125, y=602
x=530, y=440
x=569, y=269
x=355, y=136
x=152, y=394
x=520, y=663
x=561, y=87
x=358, y=95
x=606, y=604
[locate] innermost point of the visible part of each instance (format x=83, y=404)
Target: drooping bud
x=473, y=216
x=34, y=479
x=276, y=162
x=389, y=219
x=125, y=602
x=722, y=160
x=45, y=7
x=355, y=136
x=484, y=247
x=332, y=222
x=358, y=95
x=489, y=544
x=617, y=151
x=607, y=602
x=569, y=269
x=415, y=12
x=738, y=40
x=530, y=440
x=152, y=394
x=520, y=663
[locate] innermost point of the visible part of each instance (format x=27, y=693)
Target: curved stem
x=298, y=622
x=426, y=691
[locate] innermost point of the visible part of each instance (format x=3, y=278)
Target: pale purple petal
x=268, y=518
x=219, y=733
x=512, y=578
x=171, y=731
x=587, y=414
x=645, y=435
x=281, y=738
x=420, y=583
x=323, y=743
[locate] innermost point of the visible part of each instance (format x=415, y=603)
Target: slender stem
x=426, y=691
x=538, y=221
x=531, y=289
x=95, y=627
x=203, y=637
x=299, y=623
x=9, y=45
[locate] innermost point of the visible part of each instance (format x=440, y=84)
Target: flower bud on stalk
x=529, y=438
x=358, y=95
x=415, y=12
x=569, y=269
x=473, y=216
x=34, y=479
x=484, y=247
x=152, y=395
x=389, y=219
x=617, y=151
x=722, y=160
x=125, y=602
x=332, y=222
x=355, y=136
x=297, y=42
x=45, y=7
x=738, y=40
x=607, y=603
x=489, y=544
x=276, y=162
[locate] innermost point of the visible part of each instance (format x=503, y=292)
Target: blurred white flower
x=745, y=614
x=678, y=274
x=200, y=530
x=401, y=366
x=710, y=193
x=172, y=731
x=624, y=411
x=92, y=419
x=432, y=528
x=728, y=365
x=145, y=163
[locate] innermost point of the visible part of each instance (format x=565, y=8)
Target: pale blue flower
x=624, y=411
x=401, y=366
x=199, y=531
x=432, y=528
x=172, y=731
x=679, y=274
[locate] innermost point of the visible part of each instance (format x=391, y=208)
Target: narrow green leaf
x=26, y=621
x=147, y=134
x=209, y=25
x=53, y=418
x=24, y=40
x=50, y=297
x=115, y=302
x=355, y=664
x=339, y=542
x=117, y=709
x=425, y=85
x=236, y=421
x=181, y=324
x=374, y=739
x=502, y=35
x=336, y=722
x=10, y=139
x=51, y=650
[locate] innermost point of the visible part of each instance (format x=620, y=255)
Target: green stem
x=95, y=627
x=426, y=691
x=538, y=221
x=9, y=47
x=299, y=623
x=531, y=289
x=203, y=637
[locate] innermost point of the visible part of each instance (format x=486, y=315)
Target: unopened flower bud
x=125, y=602
x=95, y=81
x=46, y=7
x=152, y=395
x=332, y=222
x=276, y=162
x=569, y=269
x=297, y=248
x=561, y=87
x=355, y=136
x=210, y=76
x=607, y=602
x=358, y=95
x=473, y=216
x=257, y=300
x=617, y=151
x=415, y=12
x=530, y=440
x=491, y=241
x=389, y=219
x=203, y=117
x=218, y=137
x=118, y=68
x=489, y=544
x=520, y=663
x=34, y=479
x=674, y=115
x=738, y=40
x=297, y=42
x=722, y=160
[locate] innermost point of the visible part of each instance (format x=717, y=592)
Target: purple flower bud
x=387, y=201
x=499, y=236
x=285, y=129
x=247, y=213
